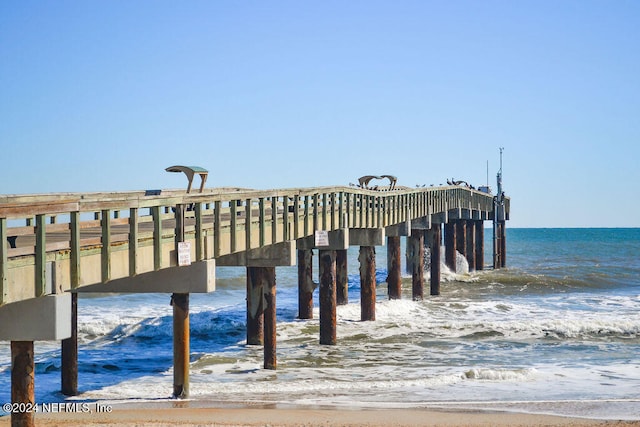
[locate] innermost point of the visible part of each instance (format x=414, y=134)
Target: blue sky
x=103, y=95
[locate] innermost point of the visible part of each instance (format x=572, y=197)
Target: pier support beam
x=394, y=273
x=367, y=260
x=261, y=266
x=450, y=245
x=503, y=243
x=479, y=228
x=268, y=275
x=181, y=348
x=470, y=244
x=181, y=329
x=435, y=245
x=461, y=236
x=305, y=284
x=261, y=311
x=417, y=264
x=338, y=240
x=342, y=278
x=255, y=308
x=367, y=239
x=22, y=382
x=327, y=272
x=499, y=245
x=69, y=369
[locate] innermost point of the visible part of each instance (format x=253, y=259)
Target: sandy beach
x=296, y=417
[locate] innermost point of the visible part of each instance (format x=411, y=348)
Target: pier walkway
x=54, y=246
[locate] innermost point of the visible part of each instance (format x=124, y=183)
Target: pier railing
x=56, y=242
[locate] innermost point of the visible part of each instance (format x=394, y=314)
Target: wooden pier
x=54, y=246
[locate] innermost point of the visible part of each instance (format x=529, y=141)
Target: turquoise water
x=557, y=331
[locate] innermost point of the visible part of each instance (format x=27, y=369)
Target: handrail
x=66, y=228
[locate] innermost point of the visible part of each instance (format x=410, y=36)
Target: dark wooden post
x=479, y=228
x=497, y=245
x=327, y=267
x=408, y=255
x=69, y=369
x=180, y=303
x=461, y=236
x=503, y=243
x=269, y=284
x=367, y=260
x=435, y=242
x=305, y=284
x=22, y=382
x=255, y=308
x=394, y=273
x=470, y=243
x=450, y=245
x=417, y=265
x=342, y=277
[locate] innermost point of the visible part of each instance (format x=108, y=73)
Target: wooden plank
x=296, y=216
x=200, y=241
x=348, y=210
x=21, y=231
x=41, y=255
x=74, y=243
x=324, y=211
x=4, y=290
x=157, y=238
x=217, y=225
x=234, y=216
x=247, y=224
x=105, y=252
x=274, y=219
x=341, y=209
x=306, y=216
x=333, y=210
x=316, y=198
x=133, y=241
x=261, y=222
x=285, y=219
x=18, y=210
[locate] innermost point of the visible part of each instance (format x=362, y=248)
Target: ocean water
x=556, y=332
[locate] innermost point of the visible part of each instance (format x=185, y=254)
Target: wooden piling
x=305, y=284
x=409, y=256
x=367, y=260
x=497, y=245
x=327, y=270
x=503, y=243
x=417, y=265
x=470, y=244
x=394, y=273
x=255, y=307
x=435, y=242
x=22, y=384
x=461, y=236
x=180, y=303
x=69, y=369
x=342, y=278
x=268, y=275
x=479, y=228
x=450, y=245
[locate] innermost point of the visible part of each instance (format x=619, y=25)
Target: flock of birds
x=363, y=182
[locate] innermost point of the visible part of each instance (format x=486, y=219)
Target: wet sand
x=151, y=415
